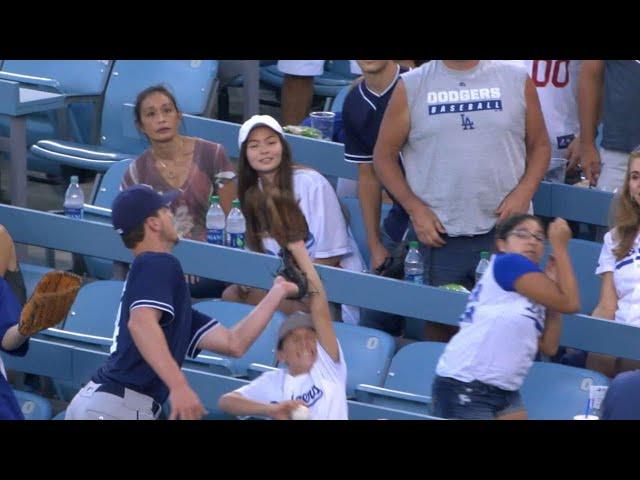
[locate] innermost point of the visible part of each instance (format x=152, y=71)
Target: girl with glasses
x=513, y=311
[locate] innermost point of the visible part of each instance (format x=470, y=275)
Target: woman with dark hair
x=266, y=164
x=197, y=167
x=619, y=267
x=513, y=311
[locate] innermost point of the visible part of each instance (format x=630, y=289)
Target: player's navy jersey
x=155, y=280
x=9, y=315
x=362, y=115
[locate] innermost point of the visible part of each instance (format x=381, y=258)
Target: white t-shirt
x=329, y=234
x=556, y=82
x=499, y=331
x=323, y=389
x=626, y=278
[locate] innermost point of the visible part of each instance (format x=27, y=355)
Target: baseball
x=301, y=413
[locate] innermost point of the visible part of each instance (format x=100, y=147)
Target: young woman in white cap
x=265, y=163
x=313, y=386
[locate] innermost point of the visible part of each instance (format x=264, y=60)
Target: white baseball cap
x=256, y=121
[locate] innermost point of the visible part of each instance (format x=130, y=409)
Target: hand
x=290, y=289
x=283, y=410
x=573, y=154
x=559, y=234
x=427, y=226
x=551, y=268
x=590, y=158
x=185, y=404
x=378, y=255
x=515, y=202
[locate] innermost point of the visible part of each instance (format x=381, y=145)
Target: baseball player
x=316, y=373
x=156, y=327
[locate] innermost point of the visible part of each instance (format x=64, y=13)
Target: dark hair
x=132, y=238
x=149, y=91
x=504, y=228
x=253, y=199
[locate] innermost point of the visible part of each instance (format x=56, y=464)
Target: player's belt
x=118, y=390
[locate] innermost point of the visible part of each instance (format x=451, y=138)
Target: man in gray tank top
x=608, y=90
x=474, y=147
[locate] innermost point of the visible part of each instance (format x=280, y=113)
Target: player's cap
x=293, y=321
x=135, y=204
x=256, y=121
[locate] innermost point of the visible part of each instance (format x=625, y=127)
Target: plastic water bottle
x=414, y=265
x=215, y=222
x=74, y=200
x=236, y=226
x=482, y=265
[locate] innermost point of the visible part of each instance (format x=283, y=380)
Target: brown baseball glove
x=292, y=273
x=50, y=302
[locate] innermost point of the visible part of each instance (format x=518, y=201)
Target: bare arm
x=590, y=93
x=228, y=193
x=562, y=296
x=319, y=304
x=393, y=134
x=370, y=196
x=235, y=404
x=537, y=161
x=550, y=338
x=152, y=344
x=237, y=340
x=13, y=339
x=8, y=259
x=329, y=261
x=608, y=303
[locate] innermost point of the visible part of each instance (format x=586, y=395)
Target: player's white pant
x=310, y=68
x=91, y=404
x=613, y=170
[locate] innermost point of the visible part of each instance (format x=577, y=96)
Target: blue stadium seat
x=558, y=392
x=336, y=76
x=367, y=352
x=263, y=350
x=408, y=383
x=193, y=83
x=32, y=275
x=356, y=222
x=96, y=308
x=82, y=81
x=106, y=188
x=60, y=416
x=584, y=258
x=34, y=407
x=338, y=102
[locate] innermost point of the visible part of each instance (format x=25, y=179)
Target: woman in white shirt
x=619, y=268
x=513, y=311
x=316, y=373
x=266, y=162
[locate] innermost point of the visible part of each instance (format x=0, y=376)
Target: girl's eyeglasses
x=526, y=235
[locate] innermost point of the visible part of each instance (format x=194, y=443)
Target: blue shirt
x=622, y=401
x=362, y=115
x=155, y=280
x=9, y=316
